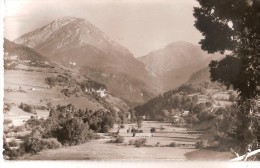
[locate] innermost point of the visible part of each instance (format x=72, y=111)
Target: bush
x=140, y=142
x=201, y=144
x=105, y=129
x=13, y=143
x=7, y=122
x=173, y=144
x=51, y=143
x=32, y=123
x=7, y=107
x=74, y=132
x=153, y=129
x=33, y=144
x=19, y=128
x=27, y=108
x=13, y=154
x=162, y=128
x=122, y=126
x=131, y=142
x=119, y=139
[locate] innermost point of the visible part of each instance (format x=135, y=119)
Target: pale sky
x=139, y=25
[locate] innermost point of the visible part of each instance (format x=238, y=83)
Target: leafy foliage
x=234, y=25
x=140, y=142
x=201, y=144
x=74, y=132
x=27, y=108
x=165, y=107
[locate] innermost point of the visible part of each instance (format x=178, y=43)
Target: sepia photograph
x=130, y=81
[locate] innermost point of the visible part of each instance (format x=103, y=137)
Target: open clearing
x=101, y=150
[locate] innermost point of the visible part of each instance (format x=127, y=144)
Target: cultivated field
x=101, y=150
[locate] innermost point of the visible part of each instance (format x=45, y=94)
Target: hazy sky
x=140, y=25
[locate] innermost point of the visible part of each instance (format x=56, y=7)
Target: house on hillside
x=215, y=108
x=185, y=113
x=102, y=92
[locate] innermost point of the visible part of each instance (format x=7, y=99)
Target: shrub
x=173, y=144
x=13, y=154
x=131, y=142
x=74, y=132
x=140, y=142
x=13, y=143
x=153, y=129
x=33, y=144
x=162, y=128
x=105, y=129
x=7, y=107
x=201, y=144
x=27, y=108
x=51, y=143
x=19, y=128
x=122, y=126
x=32, y=123
x=7, y=122
x=119, y=139
x=51, y=126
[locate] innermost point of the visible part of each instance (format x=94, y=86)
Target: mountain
x=173, y=56
x=21, y=52
x=200, y=75
x=174, y=63
x=79, y=45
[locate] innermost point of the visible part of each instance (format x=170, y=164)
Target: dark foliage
x=235, y=25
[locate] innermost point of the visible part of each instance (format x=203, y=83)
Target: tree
x=74, y=131
x=234, y=25
x=139, y=121
x=51, y=81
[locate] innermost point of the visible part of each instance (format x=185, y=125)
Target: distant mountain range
x=77, y=45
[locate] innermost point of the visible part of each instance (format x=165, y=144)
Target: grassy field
x=101, y=150
x=29, y=87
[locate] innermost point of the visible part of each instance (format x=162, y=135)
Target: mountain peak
x=181, y=44
x=67, y=32
x=65, y=20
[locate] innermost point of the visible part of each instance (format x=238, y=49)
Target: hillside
x=78, y=44
x=15, y=54
x=174, y=63
x=188, y=97
x=34, y=80
x=201, y=75
x=173, y=56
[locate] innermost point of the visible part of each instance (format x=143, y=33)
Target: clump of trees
x=61, y=80
x=27, y=108
x=65, y=126
x=173, y=103
x=234, y=26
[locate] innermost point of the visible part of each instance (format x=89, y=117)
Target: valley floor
x=101, y=150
